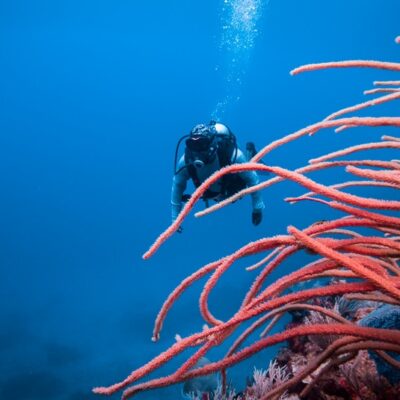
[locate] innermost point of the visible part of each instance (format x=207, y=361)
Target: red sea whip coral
x=342, y=251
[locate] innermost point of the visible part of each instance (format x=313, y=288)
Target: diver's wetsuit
x=180, y=180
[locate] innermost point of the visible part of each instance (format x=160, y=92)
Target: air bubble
x=238, y=35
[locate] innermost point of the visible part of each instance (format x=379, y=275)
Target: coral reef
x=356, y=378
x=327, y=356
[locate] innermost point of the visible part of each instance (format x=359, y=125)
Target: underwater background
x=94, y=97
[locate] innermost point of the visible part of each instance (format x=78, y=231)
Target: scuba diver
x=210, y=147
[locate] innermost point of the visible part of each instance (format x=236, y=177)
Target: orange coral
x=373, y=259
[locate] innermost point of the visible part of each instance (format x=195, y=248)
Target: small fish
x=200, y=385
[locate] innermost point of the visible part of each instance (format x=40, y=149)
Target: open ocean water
x=94, y=96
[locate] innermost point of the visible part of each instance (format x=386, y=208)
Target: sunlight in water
x=239, y=20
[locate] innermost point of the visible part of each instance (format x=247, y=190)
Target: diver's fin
x=251, y=151
x=186, y=197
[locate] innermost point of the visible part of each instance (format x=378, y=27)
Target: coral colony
x=343, y=340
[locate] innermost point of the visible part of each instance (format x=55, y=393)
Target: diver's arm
x=179, y=182
x=251, y=179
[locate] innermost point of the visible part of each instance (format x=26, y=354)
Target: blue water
x=94, y=96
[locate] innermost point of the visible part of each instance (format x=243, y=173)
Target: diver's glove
x=256, y=217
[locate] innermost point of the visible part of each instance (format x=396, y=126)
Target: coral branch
x=394, y=83
x=347, y=64
x=302, y=170
x=381, y=90
x=353, y=149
